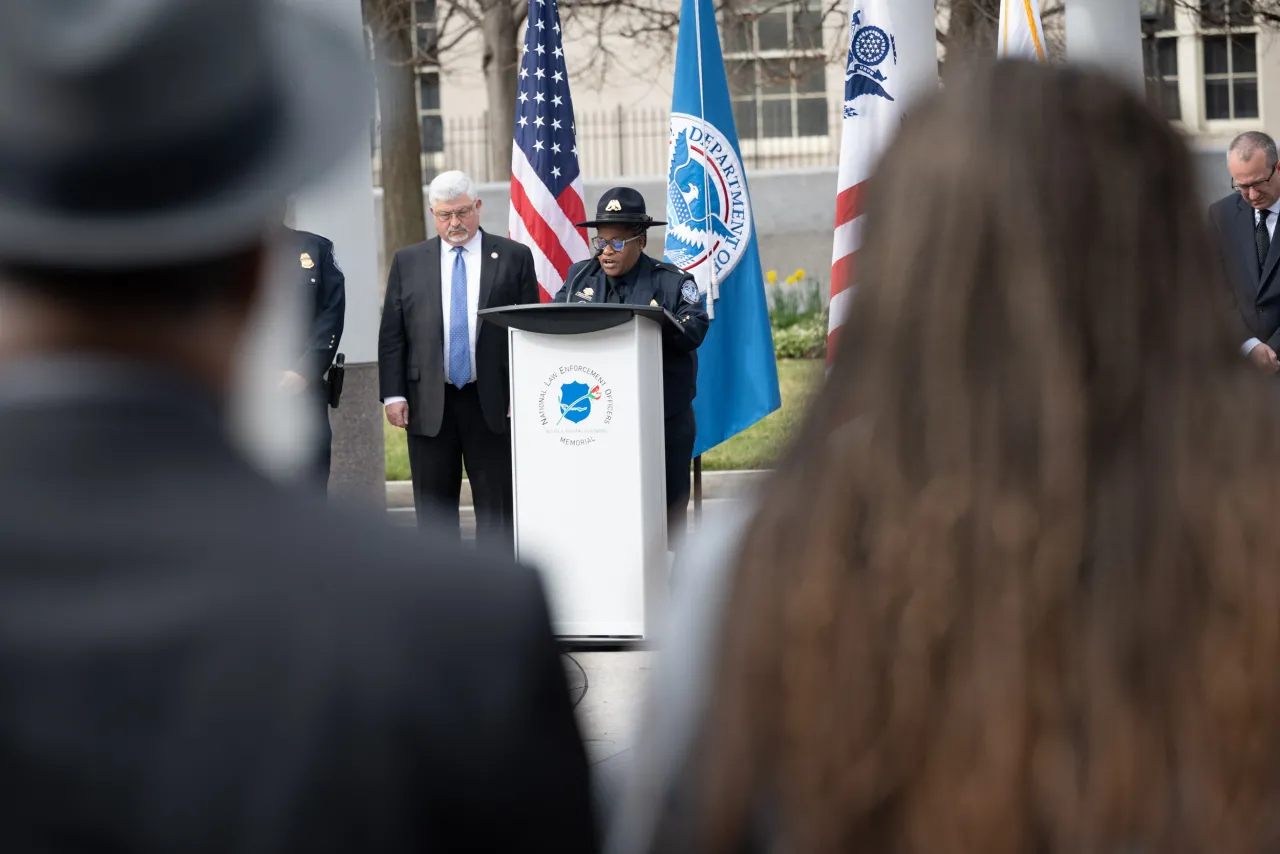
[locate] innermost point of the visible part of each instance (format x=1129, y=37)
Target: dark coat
x=1256, y=292
x=324, y=295
x=665, y=284
x=411, y=339
x=194, y=659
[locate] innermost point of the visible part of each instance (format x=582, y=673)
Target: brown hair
x=1014, y=586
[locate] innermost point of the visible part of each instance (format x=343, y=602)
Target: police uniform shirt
x=323, y=286
x=619, y=289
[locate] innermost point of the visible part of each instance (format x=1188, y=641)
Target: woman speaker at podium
x=619, y=272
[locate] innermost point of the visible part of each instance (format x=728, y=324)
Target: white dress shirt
x=471, y=258
x=1248, y=346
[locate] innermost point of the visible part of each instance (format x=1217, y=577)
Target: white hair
x=448, y=186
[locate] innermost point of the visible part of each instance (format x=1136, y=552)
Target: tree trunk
x=971, y=34
x=403, y=219
x=501, y=61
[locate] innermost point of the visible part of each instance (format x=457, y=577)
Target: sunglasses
x=616, y=243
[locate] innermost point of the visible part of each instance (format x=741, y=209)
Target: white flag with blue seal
x=711, y=234
x=872, y=115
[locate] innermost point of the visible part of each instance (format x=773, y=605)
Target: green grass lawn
x=757, y=447
x=753, y=449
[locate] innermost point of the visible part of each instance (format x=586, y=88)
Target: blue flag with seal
x=711, y=234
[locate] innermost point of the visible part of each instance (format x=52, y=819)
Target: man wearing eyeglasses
x=443, y=371
x=1245, y=224
x=620, y=272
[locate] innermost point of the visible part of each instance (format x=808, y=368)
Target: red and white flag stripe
x=870, y=121
x=545, y=224
x=546, y=179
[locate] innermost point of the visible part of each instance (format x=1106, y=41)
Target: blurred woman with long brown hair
x=1014, y=588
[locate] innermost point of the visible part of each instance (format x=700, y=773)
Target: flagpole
x=697, y=491
x=706, y=205
x=712, y=289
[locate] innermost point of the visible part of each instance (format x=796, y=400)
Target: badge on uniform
x=653, y=302
x=307, y=263
x=690, y=292
x=588, y=292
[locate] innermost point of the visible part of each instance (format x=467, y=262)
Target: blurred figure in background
x=1245, y=225
x=324, y=297
x=1014, y=587
x=193, y=658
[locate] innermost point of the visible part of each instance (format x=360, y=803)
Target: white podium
x=587, y=462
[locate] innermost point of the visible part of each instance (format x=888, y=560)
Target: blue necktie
x=459, y=341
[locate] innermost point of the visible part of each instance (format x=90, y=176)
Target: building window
x=1161, y=64
x=1215, y=14
x=1230, y=76
x=777, y=71
x=428, y=69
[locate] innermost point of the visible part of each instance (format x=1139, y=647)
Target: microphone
x=594, y=262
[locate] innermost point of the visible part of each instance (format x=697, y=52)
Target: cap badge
x=614, y=205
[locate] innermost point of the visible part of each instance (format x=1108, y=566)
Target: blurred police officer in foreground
x=324, y=296
x=620, y=272
x=193, y=658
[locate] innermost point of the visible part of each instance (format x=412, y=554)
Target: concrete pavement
x=715, y=485
x=615, y=682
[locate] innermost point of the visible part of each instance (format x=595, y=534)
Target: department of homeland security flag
x=1020, y=33
x=872, y=114
x=546, y=183
x=710, y=233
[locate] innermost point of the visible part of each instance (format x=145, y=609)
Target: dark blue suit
x=324, y=295
x=655, y=282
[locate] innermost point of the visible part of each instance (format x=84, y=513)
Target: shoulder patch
x=689, y=290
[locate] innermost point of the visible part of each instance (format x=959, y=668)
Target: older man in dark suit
x=444, y=371
x=1244, y=223
x=193, y=658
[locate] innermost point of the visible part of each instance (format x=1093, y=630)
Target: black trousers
x=324, y=449
x=678, y=435
x=435, y=464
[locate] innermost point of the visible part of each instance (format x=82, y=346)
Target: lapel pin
x=493, y=255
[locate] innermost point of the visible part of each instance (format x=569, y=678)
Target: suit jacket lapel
x=490, y=260
x=596, y=281
x=431, y=289
x=1273, y=257
x=645, y=286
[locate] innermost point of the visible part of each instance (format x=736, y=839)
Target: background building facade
x=1212, y=69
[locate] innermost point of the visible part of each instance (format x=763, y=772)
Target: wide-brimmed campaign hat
x=620, y=206
x=146, y=132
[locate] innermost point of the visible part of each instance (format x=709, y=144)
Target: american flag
x=872, y=115
x=546, y=183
